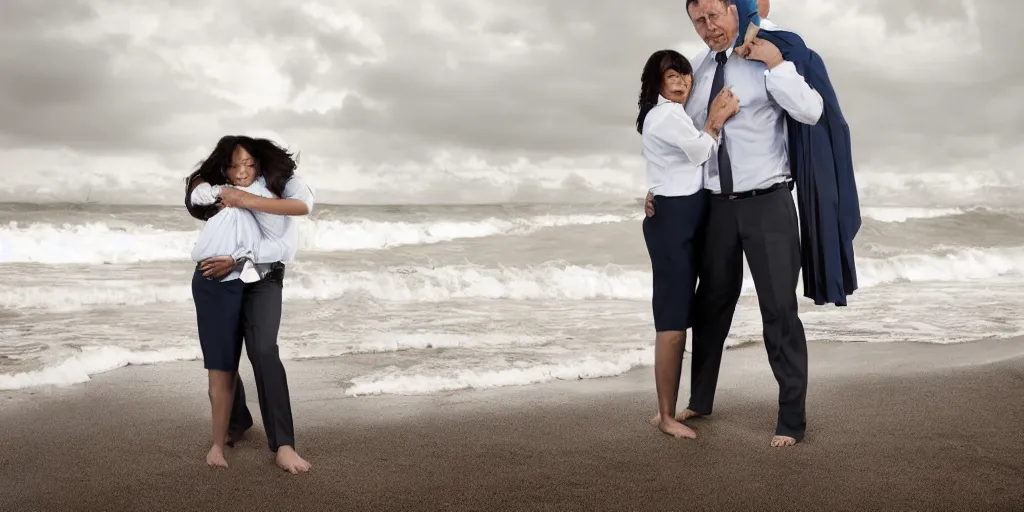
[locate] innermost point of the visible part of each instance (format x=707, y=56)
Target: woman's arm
x=676, y=129
x=296, y=200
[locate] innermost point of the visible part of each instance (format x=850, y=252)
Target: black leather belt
x=759, y=192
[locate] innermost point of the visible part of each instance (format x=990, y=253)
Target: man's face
x=715, y=23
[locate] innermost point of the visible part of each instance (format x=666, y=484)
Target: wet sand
x=891, y=427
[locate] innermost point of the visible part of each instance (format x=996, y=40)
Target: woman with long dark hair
x=675, y=152
x=229, y=310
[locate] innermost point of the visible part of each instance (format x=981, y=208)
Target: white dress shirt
x=756, y=137
x=251, y=234
x=675, y=150
x=284, y=225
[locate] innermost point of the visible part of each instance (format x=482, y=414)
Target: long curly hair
x=652, y=78
x=276, y=164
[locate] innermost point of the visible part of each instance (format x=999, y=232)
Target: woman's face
x=242, y=172
x=676, y=86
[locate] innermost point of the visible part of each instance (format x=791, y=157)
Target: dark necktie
x=724, y=164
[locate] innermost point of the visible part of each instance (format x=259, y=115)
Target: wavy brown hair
x=652, y=78
x=276, y=164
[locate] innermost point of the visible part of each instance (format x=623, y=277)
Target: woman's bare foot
x=676, y=429
x=290, y=461
x=681, y=417
x=215, y=457
x=782, y=441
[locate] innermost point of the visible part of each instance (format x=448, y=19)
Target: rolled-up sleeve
x=791, y=92
x=296, y=188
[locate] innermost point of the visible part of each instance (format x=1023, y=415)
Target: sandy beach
x=891, y=427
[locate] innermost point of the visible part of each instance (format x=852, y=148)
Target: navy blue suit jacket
x=821, y=162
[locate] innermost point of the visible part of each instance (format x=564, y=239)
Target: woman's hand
x=217, y=266
x=233, y=198
x=726, y=105
x=649, y=204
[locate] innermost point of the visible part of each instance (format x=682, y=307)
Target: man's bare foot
x=234, y=437
x=686, y=414
x=782, y=441
x=290, y=461
x=215, y=458
x=676, y=429
x=681, y=417
x=236, y=434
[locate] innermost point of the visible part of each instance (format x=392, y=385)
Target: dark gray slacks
x=261, y=320
x=765, y=228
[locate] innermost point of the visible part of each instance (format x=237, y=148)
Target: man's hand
x=649, y=205
x=761, y=50
x=233, y=198
x=217, y=266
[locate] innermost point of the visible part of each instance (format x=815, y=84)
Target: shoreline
x=891, y=427
x=189, y=364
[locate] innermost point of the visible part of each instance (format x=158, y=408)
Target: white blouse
x=296, y=188
x=675, y=150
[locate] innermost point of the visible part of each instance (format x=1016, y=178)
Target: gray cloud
x=572, y=96
x=569, y=91
x=59, y=92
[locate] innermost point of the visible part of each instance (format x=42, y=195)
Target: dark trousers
x=261, y=319
x=765, y=228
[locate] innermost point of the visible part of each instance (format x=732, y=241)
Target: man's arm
x=204, y=194
x=790, y=91
x=785, y=86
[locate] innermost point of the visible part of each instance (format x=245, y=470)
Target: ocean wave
x=436, y=377
x=94, y=360
x=544, y=282
x=99, y=243
x=397, y=382
x=963, y=188
x=899, y=214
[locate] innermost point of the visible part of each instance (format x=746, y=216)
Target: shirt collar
x=662, y=99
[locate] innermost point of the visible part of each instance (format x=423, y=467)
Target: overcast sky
x=456, y=100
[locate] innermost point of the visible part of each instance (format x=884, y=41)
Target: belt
x=759, y=192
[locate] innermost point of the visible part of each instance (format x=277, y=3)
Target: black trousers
x=261, y=320
x=765, y=228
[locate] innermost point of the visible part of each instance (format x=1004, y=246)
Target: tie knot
x=721, y=57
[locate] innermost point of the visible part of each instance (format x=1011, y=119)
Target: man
x=751, y=210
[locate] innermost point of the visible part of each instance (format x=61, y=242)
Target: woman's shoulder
x=297, y=188
x=295, y=182
x=666, y=112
